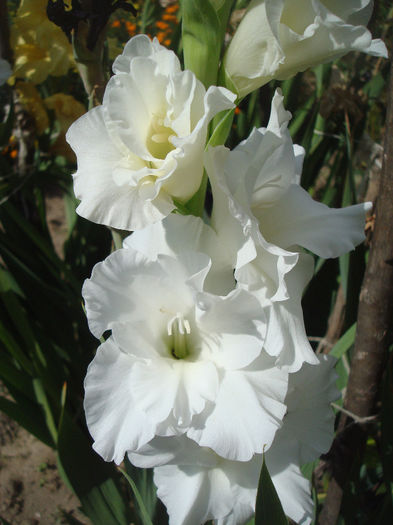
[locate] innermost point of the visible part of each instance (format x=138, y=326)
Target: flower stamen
x=179, y=328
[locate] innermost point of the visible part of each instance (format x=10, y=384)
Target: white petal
x=238, y=321
x=185, y=181
x=185, y=92
x=174, y=450
x=114, y=420
x=287, y=37
x=200, y=383
x=246, y=64
x=356, y=12
x=139, y=46
x=298, y=219
x=165, y=385
x=193, y=495
x=286, y=336
x=108, y=293
x=154, y=386
x=227, y=220
x=244, y=419
x=269, y=161
x=292, y=488
x=93, y=182
x=192, y=459
x=238, y=231
x=185, y=233
x=144, y=210
x=176, y=233
x=377, y=48
x=187, y=267
x=127, y=287
x=310, y=419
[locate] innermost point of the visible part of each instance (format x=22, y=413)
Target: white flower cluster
x=207, y=364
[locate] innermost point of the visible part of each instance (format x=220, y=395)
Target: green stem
x=90, y=64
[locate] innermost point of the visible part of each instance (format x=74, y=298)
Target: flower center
x=179, y=329
x=158, y=138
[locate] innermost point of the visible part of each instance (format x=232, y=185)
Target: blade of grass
x=144, y=515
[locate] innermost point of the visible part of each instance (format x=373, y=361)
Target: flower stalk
x=90, y=63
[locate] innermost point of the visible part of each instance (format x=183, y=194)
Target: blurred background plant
x=338, y=110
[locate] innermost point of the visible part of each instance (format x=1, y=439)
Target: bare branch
x=372, y=338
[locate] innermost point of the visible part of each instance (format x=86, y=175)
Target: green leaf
x=148, y=15
x=339, y=351
x=92, y=480
x=14, y=349
x=344, y=343
x=13, y=375
x=143, y=478
x=268, y=509
x=28, y=416
x=342, y=368
x=144, y=515
x=308, y=468
x=222, y=127
x=374, y=86
x=43, y=401
x=202, y=39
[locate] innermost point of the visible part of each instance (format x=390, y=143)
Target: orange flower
x=167, y=42
x=116, y=23
x=170, y=18
x=162, y=25
x=14, y=153
x=131, y=28
x=161, y=36
x=172, y=8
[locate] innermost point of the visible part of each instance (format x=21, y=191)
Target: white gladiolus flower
x=280, y=276
x=197, y=485
x=258, y=183
x=142, y=150
x=278, y=38
x=263, y=217
x=179, y=359
x=5, y=71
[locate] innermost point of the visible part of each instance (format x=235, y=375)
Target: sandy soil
x=31, y=491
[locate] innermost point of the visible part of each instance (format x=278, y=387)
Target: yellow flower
x=67, y=109
x=30, y=98
x=40, y=47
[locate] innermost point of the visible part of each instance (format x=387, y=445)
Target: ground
x=31, y=491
